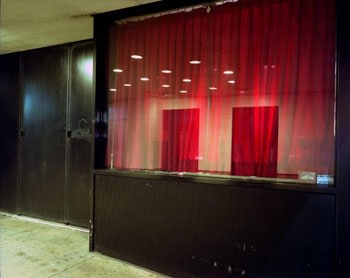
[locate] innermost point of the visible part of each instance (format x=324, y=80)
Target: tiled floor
x=33, y=248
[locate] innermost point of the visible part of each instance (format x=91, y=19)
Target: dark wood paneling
x=9, y=125
x=204, y=230
x=343, y=141
x=80, y=136
x=43, y=145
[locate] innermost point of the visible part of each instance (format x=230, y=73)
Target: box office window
x=236, y=88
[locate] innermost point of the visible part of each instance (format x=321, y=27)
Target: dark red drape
x=180, y=138
x=254, y=141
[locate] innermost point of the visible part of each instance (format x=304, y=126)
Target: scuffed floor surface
x=30, y=248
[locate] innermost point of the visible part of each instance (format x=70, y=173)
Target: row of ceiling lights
x=168, y=71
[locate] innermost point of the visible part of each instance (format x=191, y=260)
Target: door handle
x=83, y=126
x=21, y=132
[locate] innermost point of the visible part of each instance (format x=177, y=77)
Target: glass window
x=237, y=89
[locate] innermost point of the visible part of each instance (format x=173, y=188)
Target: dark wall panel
x=9, y=125
x=343, y=141
x=188, y=228
x=43, y=144
x=80, y=136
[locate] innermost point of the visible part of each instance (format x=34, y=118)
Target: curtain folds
x=274, y=58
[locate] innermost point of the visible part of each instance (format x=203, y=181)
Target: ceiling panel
x=29, y=24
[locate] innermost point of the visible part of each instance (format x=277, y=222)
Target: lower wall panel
x=196, y=229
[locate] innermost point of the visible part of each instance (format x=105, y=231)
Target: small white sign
x=325, y=179
x=307, y=177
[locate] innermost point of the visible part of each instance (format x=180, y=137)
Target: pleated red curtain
x=180, y=140
x=244, y=54
x=254, y=141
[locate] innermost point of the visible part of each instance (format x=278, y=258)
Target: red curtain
x=180, y=140
x=249, y=54
x=254, y=141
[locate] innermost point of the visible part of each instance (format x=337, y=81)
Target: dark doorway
x=44, y=96
x=79, y=135
x=56, y=133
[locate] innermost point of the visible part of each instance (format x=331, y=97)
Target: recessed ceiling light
x=231, y=81
x=165, y=86
x=127, y=85
x=186, y=80
x=144, y=78
x=112, y=90
x=166, y=71
x=117, y=70
x=213, y=88
x=228, y=72
x=195, y=62
x=183, y=91
x=223, y=2
x=137, y=57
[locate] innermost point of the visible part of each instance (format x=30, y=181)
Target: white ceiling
x=29, y=24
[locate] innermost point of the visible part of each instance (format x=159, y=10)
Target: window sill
x=223, y=180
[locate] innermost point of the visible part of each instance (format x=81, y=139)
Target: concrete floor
x=33, y=248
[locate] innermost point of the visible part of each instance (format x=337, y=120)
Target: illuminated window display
x=236, y=89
